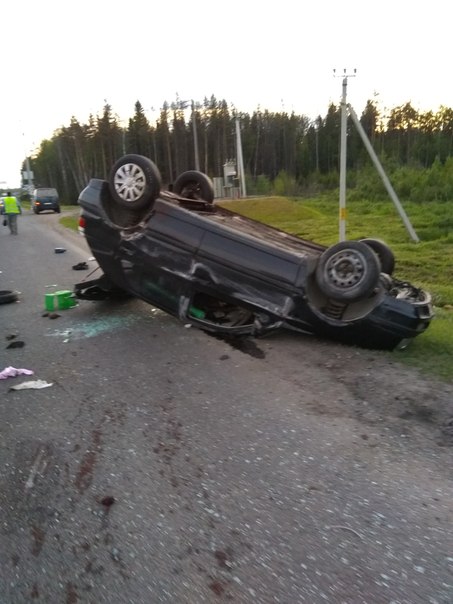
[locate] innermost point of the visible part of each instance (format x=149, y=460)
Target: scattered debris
x=16, y=344
x=345, y=528
x=51, y=315
x=60, y=300
x=35, y=385
x=60, y=250
x=107, y=501
x=12, y=372
x=81, y=266
x=7, y=296
x=38, y=467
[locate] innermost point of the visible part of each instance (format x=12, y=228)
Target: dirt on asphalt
x=372, y=387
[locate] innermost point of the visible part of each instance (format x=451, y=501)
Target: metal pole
x=29, y=176
x=344, y=118
x=28, y=172
x=240, y=160
x=195, y=138
x=382, y=174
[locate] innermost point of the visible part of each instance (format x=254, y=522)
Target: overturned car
x=229, y=274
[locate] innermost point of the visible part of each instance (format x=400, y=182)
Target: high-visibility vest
x=11, y=206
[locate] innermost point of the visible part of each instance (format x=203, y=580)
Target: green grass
x=432, y=351
x=427, y=264
x=70, y=222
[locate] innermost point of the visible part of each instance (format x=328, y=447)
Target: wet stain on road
x=217, y=587
x=419, y=413
x=245, y=345
x=39, y=537
x=85, y=474
x=71, y=594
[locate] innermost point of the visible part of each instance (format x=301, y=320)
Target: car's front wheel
x=134, y=182
x=348, y=271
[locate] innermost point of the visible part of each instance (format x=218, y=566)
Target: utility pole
x=343, y=148
x=346, y=110
x=240, y=160
x=27, y=174
x=195, y=138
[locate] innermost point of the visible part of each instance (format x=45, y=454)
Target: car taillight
x=82, y=222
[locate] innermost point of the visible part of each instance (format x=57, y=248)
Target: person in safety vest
x=11, y=209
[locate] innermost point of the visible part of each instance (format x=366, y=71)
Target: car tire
x=348, y=271
x=58, y=210
x=134, y=182
x=194, y=185
x=384, y=253
x=7, y=296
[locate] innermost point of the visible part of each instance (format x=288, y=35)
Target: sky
x=65, y=58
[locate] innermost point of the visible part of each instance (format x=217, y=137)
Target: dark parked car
x=45, y=198
x=229, y=274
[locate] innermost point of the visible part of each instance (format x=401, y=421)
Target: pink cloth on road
x=12, y=372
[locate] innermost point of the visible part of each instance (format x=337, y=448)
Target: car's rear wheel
x=194, y=185
x=384, y=253
x=348, y=271
x=134, y=182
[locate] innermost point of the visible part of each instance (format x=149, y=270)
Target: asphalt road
x=165, y=465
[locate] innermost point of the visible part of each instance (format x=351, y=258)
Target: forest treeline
x=285, y=154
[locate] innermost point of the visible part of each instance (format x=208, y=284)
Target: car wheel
x=384, y=253
x=58, y=210
x=194, y=185
x=348, y=271
x=7, y=296
x=134, y=182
